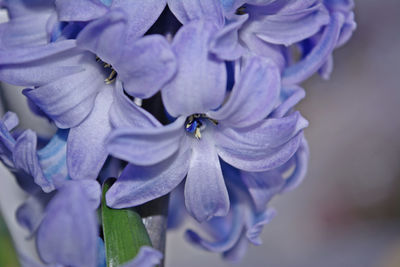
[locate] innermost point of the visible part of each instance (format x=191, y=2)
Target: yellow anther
x=111, y=77
x=197, y=133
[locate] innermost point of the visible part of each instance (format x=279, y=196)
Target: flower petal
x=39, y=65
x=87, y=151
x=80, y=10
x=289, y=97
x=263, y=186
x=124, y=112
x=52, y=159
x=316, y=58
x=189, y=10
x=253, y=96
x=254, y=230
x=301, y=164
x=30, y=214
x=293, y=23
x=200, y=82
x=138, y=184
x=147, y=146
x=25, y=158
x=146, y=66
x=68, y=232
x=147, y=257
x=205, y=191
x=64, y=100
x=235, y=230
x=261, y=147
x=225, y=45
x=141, y=16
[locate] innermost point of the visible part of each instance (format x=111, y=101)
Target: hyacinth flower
x=344, y=8
x=315, y=26
x=237, y=132
x=28, y=24
x=250, y=194
x=19, y=152
x=67, y=214
x=74, y=94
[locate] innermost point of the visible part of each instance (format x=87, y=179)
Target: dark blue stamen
x=191, y=126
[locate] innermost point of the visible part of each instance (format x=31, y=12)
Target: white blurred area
x=347, y=211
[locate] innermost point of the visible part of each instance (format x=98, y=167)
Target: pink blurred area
x=347, y=211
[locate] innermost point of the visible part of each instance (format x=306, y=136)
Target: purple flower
x=250, y=194
x=19, y=152
x=140, y=16
x=70, y=88
x=64, y=224
x=29, y=23
x=204, y=130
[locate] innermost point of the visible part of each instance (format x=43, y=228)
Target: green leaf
x=123, y=231
x=8, y=256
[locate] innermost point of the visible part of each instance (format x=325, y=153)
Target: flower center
x=196, y=123
x=112, y=74
x=241, y=10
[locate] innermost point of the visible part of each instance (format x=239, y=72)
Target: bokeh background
x=347, y=210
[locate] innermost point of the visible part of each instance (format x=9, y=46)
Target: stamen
x=113, y=74
x=195, y=124
x=197, y=134
x=111, y=77
x=241, y=10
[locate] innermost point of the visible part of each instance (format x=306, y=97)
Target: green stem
x=124, y=232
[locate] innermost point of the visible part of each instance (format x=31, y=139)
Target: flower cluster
x=197, y=97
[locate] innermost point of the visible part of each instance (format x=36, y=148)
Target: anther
x=241, y=10
x=111, y=77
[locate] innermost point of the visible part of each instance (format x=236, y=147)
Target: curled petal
x=229, y=240
x=317, y=57
x=226, y=45
x=289, y=97
x=261, y=147
x=53, y=160
x=138, y=184
x=25, y=158
x=263, y=186
x=301, y=164
x=295, y=22
x=254, y=231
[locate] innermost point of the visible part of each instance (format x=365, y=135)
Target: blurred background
x=347, y=210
